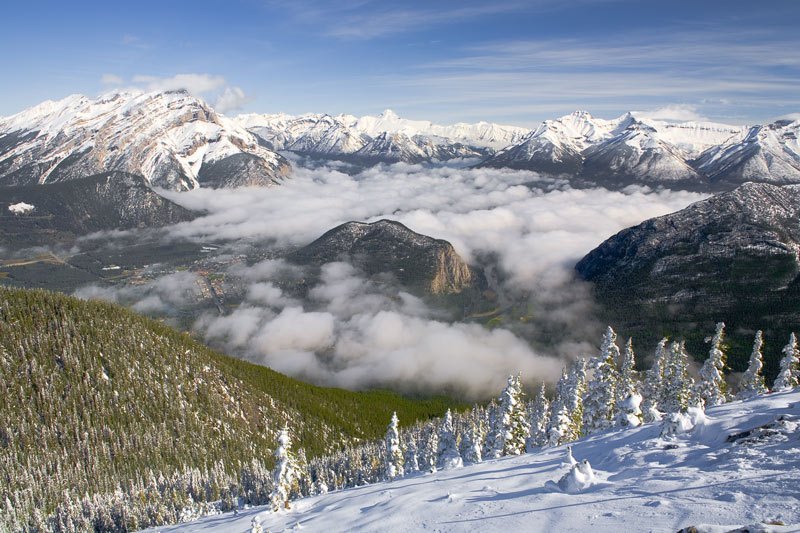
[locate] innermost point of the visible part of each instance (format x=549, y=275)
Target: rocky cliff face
x=417, y=261
x=733, y=257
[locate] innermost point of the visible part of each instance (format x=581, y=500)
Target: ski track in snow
x=644, y=483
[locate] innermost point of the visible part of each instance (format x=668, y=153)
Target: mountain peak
x=388, y=114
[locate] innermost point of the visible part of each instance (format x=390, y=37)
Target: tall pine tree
x=753, y=381
x=394, y=460
x=712, y=389
x=599, y=402
x=790, y=367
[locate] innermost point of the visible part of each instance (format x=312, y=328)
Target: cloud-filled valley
x=358, y=332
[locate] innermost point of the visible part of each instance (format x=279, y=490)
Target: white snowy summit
x=173, y=139
x=735, y=466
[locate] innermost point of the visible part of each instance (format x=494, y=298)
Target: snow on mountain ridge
x=165, y=136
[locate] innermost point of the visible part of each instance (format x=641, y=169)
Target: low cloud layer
x=348, y=330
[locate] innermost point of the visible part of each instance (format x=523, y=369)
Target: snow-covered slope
x=739, y=465
x=170, y=138
x=632, y=149
x=768, y=153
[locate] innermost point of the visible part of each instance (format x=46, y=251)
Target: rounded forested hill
x=92, y=395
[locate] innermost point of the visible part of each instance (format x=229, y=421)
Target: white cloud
x=194, y=83
x=231, y=99
x=673, y=113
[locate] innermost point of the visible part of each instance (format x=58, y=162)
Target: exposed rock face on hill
x=108, y=201
x=732, y=257
x=171, y=138
x=417, y=261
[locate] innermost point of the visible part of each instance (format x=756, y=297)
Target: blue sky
x=507, y=61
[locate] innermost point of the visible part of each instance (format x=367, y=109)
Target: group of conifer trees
x=603, y=392
x=592, y=395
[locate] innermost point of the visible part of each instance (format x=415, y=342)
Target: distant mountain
x=616, y=153
x=97, y=399
x=768, y=153
x=174, y=140
x=732, y=257
x=418, y=261
x=178, y=142
x=41, y=214
x=386, y=138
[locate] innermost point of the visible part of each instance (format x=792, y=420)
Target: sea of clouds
x=354, y=332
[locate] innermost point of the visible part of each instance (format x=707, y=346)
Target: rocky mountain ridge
x=386, y=246
x=733, y=257
x=174, y=140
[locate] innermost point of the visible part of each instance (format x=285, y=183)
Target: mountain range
x=176, y=141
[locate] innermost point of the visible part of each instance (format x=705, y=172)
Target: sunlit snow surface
x=644, y=483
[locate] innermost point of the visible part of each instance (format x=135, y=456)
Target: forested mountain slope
x=95, y=397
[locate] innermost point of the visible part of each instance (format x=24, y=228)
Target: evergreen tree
x=628, y=399
x=566, y=421
x=539, y=416
x=753, y=381
x=490, y=450
x=394, y=460
x=789, y=375
x=599, y=402
x=511, y=427
x=678, y=384
x=654, y=387
x=410, y=460
x=430, y=448
x=471, y=442
x=712, y=389
x=284, y=475
x=448, y=456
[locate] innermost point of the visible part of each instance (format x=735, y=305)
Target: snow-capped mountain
x=173, y=139
x=768, y=153
x=735, y=465
x=385, y=138
x=630, y=149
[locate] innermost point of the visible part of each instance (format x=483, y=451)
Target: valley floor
x=644, y=483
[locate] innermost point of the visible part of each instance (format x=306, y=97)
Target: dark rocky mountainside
x=732, y=257
x=386, y=246
x=41, y=214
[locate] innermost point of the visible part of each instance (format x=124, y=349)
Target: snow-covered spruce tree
x=284, y=474
x=448, y=456
x=394, y=460
x=753, y=381
x=490, y=422
x=789, y=376
x=511, y=427
x=598, y=403
x=539, y=416
x=654, y=389
x=628, y=400
x=430, y=448
x=566, y=421
x=712, y=389
x=410, y=461
x=678, y=384
x=472, y=442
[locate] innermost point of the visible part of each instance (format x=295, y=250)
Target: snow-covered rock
x=20, y=208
